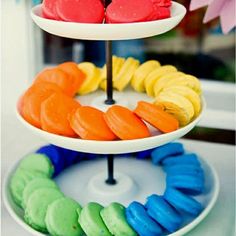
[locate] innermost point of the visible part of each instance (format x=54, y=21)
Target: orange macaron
x=125, y=124
x=89, y=123
x=72, y=69
x=58, y=77
x=156, y=117
x=30, y=102
x=55, y=111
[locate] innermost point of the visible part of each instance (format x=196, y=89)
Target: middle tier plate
x=129, y=99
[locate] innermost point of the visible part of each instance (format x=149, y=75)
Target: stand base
x=100, y=103
x=124, y=189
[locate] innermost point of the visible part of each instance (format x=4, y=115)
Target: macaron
x=71, y=157
x=32, y=99
x=77, y=74
x=82, y=11
x=170, y=149
x=19, y=180
x=144, y=154
x=192, y=184
x=89, y=123
x=58, y=77
x=93, y=77
x=185, y=159
x=185, y=169
x=126, y=72
x=35, y=184
x=62, y=218
x=121, y=11
x=156, y=117
x=114, y=218
x=37, y=206
x=163, y=213
x=54, y=153
x=159, y=13
x=49, y=10
x=154, y=76
x=140, y=221
x=162, y=3
x=177, y=105
x=141, y=73
x=182, y=202
x=37, y=162
x=91, y=220
x=125, y=124
x=54, y=114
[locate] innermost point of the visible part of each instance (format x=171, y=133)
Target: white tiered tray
x=129, y=99
x=146, y=179
x=109, y=31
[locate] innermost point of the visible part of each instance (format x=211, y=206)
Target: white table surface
x=17, y=141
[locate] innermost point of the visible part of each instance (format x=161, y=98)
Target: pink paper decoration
x=225, y=9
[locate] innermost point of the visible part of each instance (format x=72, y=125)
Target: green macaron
x=115, y=220
x=37, y=205
x=62, y=218
x=91, y=220
x=19, y=180
x=34, y=185
x=38, y=162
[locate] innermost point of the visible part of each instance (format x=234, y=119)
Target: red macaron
x=82, y=11
x=123, y=11
x=49, y=9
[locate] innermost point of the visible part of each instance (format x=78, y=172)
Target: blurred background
x=193, y=47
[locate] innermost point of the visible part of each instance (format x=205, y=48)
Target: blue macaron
x=70, y=157
x=185, y=169
x=163, y=213
x=190, y=158
x=140, y=221
x=191, y=184
x=162, y=152
x=182, y=202
x=55, y=154
x=144, y=154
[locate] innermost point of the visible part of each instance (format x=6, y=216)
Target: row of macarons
x=96, y=11
x=178, y=93
x=46, y=207
x=45, y=106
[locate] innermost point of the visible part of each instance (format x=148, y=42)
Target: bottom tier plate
x=137, y=179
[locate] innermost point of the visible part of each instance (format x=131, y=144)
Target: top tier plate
x=109, y=31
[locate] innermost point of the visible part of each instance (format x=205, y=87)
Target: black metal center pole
x=109, y=100
x=110, y=167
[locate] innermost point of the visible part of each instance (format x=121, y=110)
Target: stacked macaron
x=165, y=214
x=178, y=93
x=47, y=209
x=43, y=98
x=118, y=11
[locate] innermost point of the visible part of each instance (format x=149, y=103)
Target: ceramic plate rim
x=181, y=231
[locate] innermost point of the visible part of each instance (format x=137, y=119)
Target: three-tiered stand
x=132, y=179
